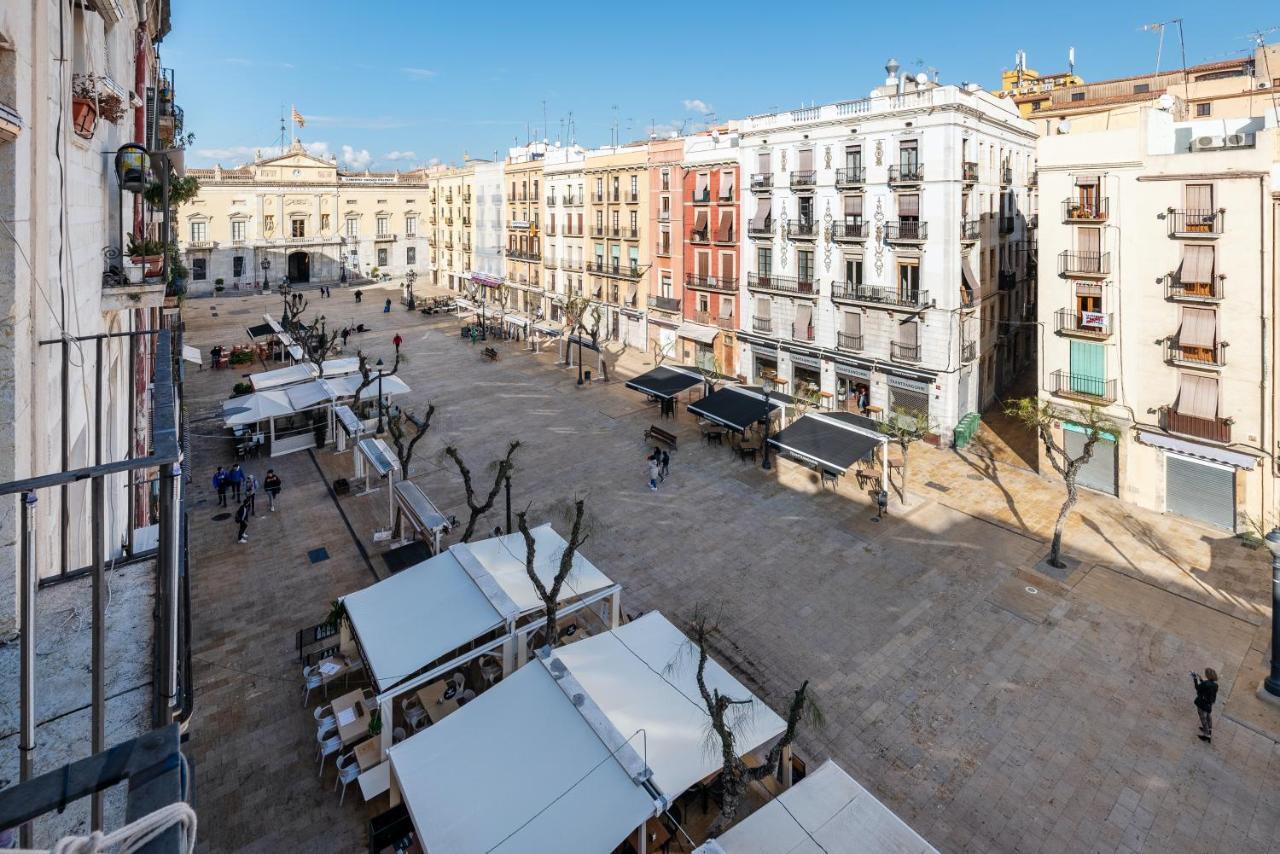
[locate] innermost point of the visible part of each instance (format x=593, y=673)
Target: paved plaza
x=994, y=707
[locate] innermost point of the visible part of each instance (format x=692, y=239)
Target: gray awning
x=698, y=332
x=1193, y=449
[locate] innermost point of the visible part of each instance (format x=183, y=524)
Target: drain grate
x=317, y=555
x=221, y=517
x=933, y=484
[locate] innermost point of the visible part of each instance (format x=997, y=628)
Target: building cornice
x=850, y=121
x=1216, y=176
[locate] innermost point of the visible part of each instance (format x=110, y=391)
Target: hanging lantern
x=131, y=167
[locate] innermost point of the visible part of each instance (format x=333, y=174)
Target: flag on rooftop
x=297, y=117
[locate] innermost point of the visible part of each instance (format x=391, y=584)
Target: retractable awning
x=664, y=382
x=260, y=330
x=698, y=332
x=732, y=408
x=827, y=443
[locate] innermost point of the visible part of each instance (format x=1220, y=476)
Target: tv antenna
x=1160, y=28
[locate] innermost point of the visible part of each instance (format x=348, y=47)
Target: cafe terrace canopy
x=734, y=407
x=827, y=442
x=520, y=769
x=255, y=408
x=665, y=381
x=827, y=812
x=299, y=373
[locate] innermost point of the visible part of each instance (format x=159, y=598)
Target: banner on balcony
x=1093, y=318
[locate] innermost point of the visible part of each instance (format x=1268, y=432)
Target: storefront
x=908, y=395
x=853, y=388
x=1201, y=490
x=806, y=376
x=764, y=362
x=1100, y=472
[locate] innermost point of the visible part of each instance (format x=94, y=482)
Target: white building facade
x=873, y=236
x=487, y=225
x=563, y=245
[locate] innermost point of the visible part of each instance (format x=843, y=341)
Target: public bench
x=656, y=433
x=490, y=354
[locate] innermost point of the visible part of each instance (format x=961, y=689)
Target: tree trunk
x=902, y=497
x=1055, y=548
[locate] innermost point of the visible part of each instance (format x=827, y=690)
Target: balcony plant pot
x=134, y=272
x=84, y=117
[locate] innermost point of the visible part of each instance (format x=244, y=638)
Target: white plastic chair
x=324, y=716
x=466, y=697
x=312, y=678
x=459, y=681
x=347, y=773
x=398, y=735
x=414, y=714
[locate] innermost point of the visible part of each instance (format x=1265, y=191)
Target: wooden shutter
x=1198, y=396
x=1199, y=197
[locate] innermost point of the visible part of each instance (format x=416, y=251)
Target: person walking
x=386, y=306
x=1206, y=696
x=666, y=465
x=359, y=294
x=242, y=518
x=397, y=341
x=235, y=478
x=220, y=484
x=346, y=333
x=251, y=493
x=654, y=468
x=271, y=483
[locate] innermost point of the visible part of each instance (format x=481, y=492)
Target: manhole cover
x=933, y=484
x=221, y=517
x=1032, y=590
x=317, y=555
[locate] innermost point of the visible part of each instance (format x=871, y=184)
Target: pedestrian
x=386, y=306
x=397, y=341
x=359, y=294
x=251, y=493
x=656, y=456
x=346, y=333
x=654, y=468
x=242, y=517
x=666, y=464
x=220, y=484
x=1206, y=696
x=271, y=483
x=235, y=478
x=471, y=332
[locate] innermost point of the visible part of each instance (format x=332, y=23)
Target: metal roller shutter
x=1200, y=491
x=1100, y=472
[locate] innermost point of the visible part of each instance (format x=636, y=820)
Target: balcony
x=386, y=235
x=788, y=285
x=598, y=198
x=906, y=175
x=1198, y=224
x=1033, y=180
x=703, y=236
x=1212, y=429
x=802, y=333
x=1195, y=357
x=802, y=229
x=1179, y=291
x=906, y=231
x=706, y=318
x=664, y=216
x=850, y=231
x=631, y=234
x=633, y=198
x=1086, y=210
x=804, y=179
x=1084, y=264
x=617, y=271
x=1006, y=225
x=663, y=249
x=571, y=265
x=764, y=230
x=845, y=341
x=763, y=325
x=907, y=297
x=968, y=351
x=851, y=177
x=970, y=230
x=710, y=283
x=514, y=225
x=524, y=255
x=671, y=304
x=597, y=231
x=549, y=262
x=761, y=183
x=551, y=201
x=969, y=172
x=571, y=202
x=1093, y=325
x=900, y=352
x=703, y=198
x=1081, y=387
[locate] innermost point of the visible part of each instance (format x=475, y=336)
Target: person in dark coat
x=271, y=483
x=242, y=518
x=386, y=306
x=235, y=479
x=1206, y=696
x=220, y=484
x=666, y=465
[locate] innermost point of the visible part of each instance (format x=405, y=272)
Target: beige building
x=300, y=216
x=451, y=213
x=619, y=245
x=525, y=184
x=1157, y=297
x=564, y=250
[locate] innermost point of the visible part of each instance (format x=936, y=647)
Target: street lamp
x=1272, y=683
x=767, y=385
x=378, y=365
x=266, y=265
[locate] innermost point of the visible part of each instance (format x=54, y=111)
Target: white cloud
x=318, y=149
x=232, y=154
x=419, y=73
x=356, y=159
x=697, y=105
x=400, y=155
x=435, y=161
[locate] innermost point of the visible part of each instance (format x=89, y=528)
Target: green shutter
x=1088, y=368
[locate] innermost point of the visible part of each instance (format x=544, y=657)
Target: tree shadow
x=988, y=467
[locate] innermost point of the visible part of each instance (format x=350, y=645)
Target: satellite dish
x=922, y=78
x=715, y=136
x=1064, y=126
x=1165, y=102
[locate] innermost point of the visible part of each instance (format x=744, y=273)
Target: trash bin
x=586, y=376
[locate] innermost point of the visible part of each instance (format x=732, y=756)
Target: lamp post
x=767, y=385
x=1272, y=683
x=266, y=265
x=378, y=365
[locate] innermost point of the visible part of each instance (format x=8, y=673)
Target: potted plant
x=181, y=191
x=219, y=284
x=337, y=613
x=145, y=251
x=375, y=721
x=240, y=389
x=84, y=106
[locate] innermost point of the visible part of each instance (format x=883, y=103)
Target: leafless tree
x=313, y=338
x=369, y=374
x=1044, y=417
x=502, y=468
x=406, y=430
x=551, y=596
x=905, y=427
x=583, y=316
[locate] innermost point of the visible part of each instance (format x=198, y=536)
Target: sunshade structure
x=300, y=373
x=339, y=367
x=734, y=407
x=345, y=386
x=827, y=812
x=421, y=512
x=665, y=381
x=255, y=408
x=827, y=441
x=518, y=770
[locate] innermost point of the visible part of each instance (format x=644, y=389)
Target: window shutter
x=1200, y=197
x=806, y=160
x=853, y=206
x=909, y=205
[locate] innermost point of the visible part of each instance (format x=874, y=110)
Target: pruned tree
x=502, y=471
x=315, y=340
x=1043, y=417
x=550, y=596
x=905, y=427
x=728, y=715
x=406, y=430
x=582, y=315
x=369, y=374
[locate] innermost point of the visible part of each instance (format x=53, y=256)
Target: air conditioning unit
x=1207, y=143
x=1238, y=140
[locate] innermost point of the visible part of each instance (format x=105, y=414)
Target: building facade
x=1158, y=288
x=1031, y=90
x=563, y=248
x=488, y=211
x=525, y=184
x=619, y=254
x=299, y=216
x=452, y=209
x=872, y=245
x=666, y=224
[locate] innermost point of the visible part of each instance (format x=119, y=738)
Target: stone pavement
x=992, y=706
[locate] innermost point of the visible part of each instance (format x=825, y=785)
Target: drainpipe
x=1266, y=404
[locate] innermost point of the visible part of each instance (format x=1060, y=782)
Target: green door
x=1088, y=368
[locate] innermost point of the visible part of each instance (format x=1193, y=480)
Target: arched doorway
x=299, y=267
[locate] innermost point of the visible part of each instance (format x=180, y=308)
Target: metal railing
x=710, y=283
x=906, y=173
x=1084, y=263
x=842, y=291
x=1210, y=291
x=804, y=178
x=1197, y=357
x=621, y=271
x=851, y=176
x=665, y=303
x=1086, y=210
x=906, y=229
x=802, y=228
x=765, y=230
x=663, y=249
x=968, y=351
x=1194, y=223
x=1067, y=384
x=703, y=198
x=970, y=229
x=761, y=182
x=763, y=325
x=845, y=341
x=900, y=352
x=1082, y=324
x=855, y=229
x=782, y=284
x=709, y=319
x=1213, y=429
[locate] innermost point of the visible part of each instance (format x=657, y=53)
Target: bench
x=656, y=433
x=490, y=354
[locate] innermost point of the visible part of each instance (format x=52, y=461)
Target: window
x=908, y=156
x=198, y=269
x=1077, y=96
x=353, y=226
x=383, y=222
x=1205, y=109
x=411, y=225
x=237, y=229
x=324, y=222
x=199, y=232
x=237, y=266
x=853, y=158
x=1036, y=105
x=909, y=280
x=635, y=186
x=382, y=257
x=1141, y=88
x=635, y=223
x=764, y=260
x=853, y=271
x=298, y=227
x=704, y=303
x=666, y=179
x=806, y=209
x=804, y=265
x=617, y=182
x=666, y=285
x=599, y=189
x=411, y=255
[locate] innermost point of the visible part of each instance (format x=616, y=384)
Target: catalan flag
x=297, y=117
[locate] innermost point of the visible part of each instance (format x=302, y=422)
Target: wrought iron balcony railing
x=782, y=284
x=1083, y=387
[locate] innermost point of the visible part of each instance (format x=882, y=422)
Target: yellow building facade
x=619, y=244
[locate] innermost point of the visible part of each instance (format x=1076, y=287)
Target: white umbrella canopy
x=255, y=408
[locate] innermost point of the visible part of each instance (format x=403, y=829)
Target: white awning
x=346, y=386
x=503, y=559
x=379, y=456
x=254, y=408
x=966, y=269
x=339, y=367
x=409, y=620
x=1192, y=449
x=698, y=332
x=827, y=811
x=519, y=770
x=300, y=373
x=643, y=677
x=548, y=328
x=516, y=320
x=464, y=304
x=191, y=354
x=310, y=395
x=347, y=420
x=273, y=323
x=762, y=214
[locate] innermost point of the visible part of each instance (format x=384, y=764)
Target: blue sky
x=391, y=85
